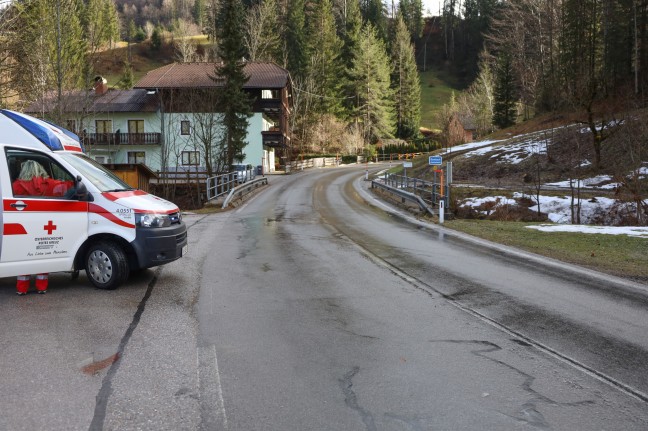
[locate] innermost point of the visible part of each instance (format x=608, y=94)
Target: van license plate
x=185, y=249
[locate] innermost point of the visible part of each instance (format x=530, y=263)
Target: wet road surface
x=329, y=313
x=307, y=308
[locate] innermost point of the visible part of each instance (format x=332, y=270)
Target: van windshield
x=94, y=172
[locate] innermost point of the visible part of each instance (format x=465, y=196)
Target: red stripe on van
x=45, y=205
x=113, y=196
x=96, y=209
x=14, y=229
x=70, y=148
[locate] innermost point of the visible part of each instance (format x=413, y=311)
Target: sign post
x=435, y=160
x=405, y=166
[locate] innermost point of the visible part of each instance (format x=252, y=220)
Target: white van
x=62, y=211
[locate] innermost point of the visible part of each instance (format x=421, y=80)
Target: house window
x=270, y=94
x=103, y=126
x=135, y=126
x=190, y=158
x=100, y=159
x=136, y=157
x=185, y=127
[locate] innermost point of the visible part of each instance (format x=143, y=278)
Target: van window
x=94, y=172
x=35, y=174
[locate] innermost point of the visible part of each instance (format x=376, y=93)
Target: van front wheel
x=106, y=265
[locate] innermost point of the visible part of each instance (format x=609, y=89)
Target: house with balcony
x=168, y=120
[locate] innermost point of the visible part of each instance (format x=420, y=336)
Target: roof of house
x=135, y=100
x=467, y=121
x=199, y=75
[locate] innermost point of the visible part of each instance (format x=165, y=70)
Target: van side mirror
x=81, y=192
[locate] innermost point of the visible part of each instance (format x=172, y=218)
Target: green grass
x=619, y=255
x=436, y=90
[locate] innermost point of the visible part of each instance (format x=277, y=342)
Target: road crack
x=528, y=412
x=351, y=399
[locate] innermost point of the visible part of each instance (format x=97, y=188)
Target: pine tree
x=233, y=102
x=127, y=78
x=100, y=23
x=373, y=12
x=504, y=112
x=296, y=43
x=477, y=16
x=405, y=83
x=372, y=93
x=198, y=12
x=325, y=67
x=156, y=39
x=351, y=40
x=412, y=13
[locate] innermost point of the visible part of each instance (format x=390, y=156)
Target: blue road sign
x=436, y=160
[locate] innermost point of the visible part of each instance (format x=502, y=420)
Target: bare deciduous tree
x=262, y=37
x=185, y=46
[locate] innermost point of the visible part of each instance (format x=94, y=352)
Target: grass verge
x=618, y=255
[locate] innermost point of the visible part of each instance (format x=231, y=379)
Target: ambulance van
x=62, y=211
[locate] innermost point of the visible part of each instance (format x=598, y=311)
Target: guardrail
x=404, y=195
x=220, y=184
x=317, y=162
x=426, y=194
x=430, y=191
x=244, y=189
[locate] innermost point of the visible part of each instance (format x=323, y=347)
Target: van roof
x=16, y=128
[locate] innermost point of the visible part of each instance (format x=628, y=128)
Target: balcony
x=274, y=138
x=121, y=139
x=273, y=108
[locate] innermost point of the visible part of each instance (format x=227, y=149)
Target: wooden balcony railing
x=273, y=138
x=121, y=139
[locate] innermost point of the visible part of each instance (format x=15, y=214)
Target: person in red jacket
x=33, y=180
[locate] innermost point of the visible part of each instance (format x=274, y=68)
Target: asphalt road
x=308, y=308
x=334, y=314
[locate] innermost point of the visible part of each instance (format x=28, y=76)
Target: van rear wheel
x=106, y=265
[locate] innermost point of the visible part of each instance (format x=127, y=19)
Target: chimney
x=100, y=85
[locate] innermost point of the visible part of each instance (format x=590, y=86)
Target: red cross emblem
x=50, y=227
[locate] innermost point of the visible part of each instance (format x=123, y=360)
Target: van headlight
x=152, y=220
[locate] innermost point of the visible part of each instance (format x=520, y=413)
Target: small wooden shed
x=461, y=130
x=136, y=175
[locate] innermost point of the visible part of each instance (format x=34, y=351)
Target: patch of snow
x=513, y=153
x=585, y=163
x=600, y=127
x=594, y=182
x=641, y=232
x=469, y=146
x=558, y=210
x=475, y=202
